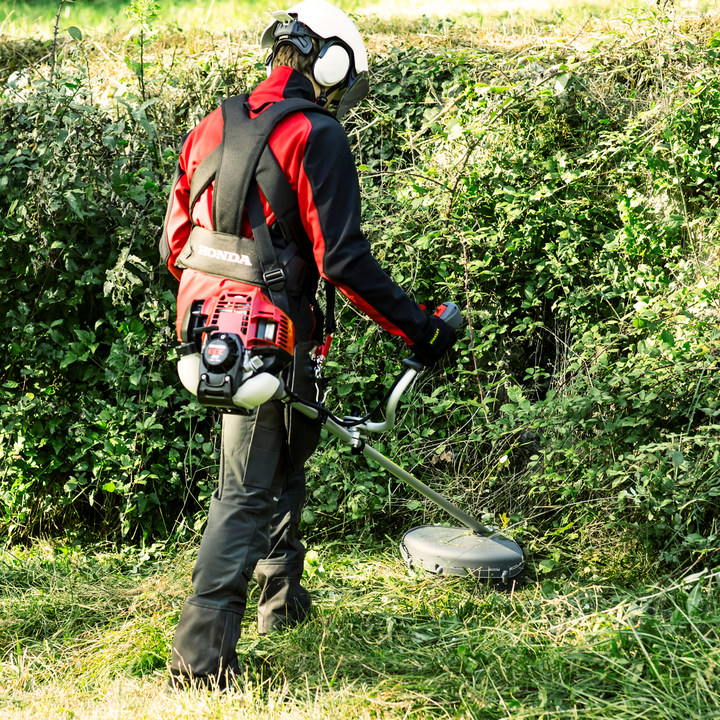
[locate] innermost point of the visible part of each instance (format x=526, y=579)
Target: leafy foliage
x=569, y=203
x=94, y=432
x=579, y=232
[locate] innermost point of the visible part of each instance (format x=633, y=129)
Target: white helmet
x=342, y=62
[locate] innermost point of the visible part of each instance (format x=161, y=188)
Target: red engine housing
x=258, y=322
x=262, y=328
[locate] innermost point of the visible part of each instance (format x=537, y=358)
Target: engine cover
x=233, y=337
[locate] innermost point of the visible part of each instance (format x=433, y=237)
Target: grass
x=87, y=635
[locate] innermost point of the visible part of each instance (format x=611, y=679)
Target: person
x=317, y=56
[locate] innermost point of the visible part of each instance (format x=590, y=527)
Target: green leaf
x=694, y=600
x=72, y=201
x=677, y=457
x=546, y=565
x=561, y=82
x=68, y=358
x=109, y=487
x=74, y=33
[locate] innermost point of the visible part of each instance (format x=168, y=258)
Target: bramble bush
x=568, y=203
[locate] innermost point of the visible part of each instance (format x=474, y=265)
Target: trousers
x=252, y=527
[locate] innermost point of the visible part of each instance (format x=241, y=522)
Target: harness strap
x=287, y=254
x=282, y=200
x=204, y=174
x=243, y=143
x=248, y=164
x=272, y=274
x=228, y=256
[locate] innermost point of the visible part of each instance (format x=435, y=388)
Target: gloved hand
x=437, y=340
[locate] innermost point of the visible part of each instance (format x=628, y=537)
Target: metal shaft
x=369, y=452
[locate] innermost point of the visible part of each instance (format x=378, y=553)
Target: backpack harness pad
x=240, y=164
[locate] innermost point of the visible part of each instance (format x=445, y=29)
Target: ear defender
x=332, y=65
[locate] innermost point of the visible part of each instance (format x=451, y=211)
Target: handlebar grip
x=450, y=313
x=414, y=363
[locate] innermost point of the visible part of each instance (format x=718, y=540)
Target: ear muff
x=332, y=65
x=269, y=64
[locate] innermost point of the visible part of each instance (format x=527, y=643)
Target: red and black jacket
x=313, y=153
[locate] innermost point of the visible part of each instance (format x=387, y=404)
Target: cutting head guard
x=341, y=64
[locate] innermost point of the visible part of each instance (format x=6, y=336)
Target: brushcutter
x=236, y=345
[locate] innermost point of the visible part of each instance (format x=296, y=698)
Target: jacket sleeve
x=329, y=198
x=177, y=225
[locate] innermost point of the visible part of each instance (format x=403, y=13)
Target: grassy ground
x=88, y=636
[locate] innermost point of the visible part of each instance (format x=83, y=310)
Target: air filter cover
x=459, y=551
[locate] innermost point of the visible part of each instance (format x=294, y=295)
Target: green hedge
x=94, y=432
x=574, y=220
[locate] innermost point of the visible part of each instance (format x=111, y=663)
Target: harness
x=239, y=165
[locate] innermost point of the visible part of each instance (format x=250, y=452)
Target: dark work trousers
x=252, y=526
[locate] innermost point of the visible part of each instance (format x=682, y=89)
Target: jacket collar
x=283, y=83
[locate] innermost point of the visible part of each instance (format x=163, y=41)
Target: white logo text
x=223, y=255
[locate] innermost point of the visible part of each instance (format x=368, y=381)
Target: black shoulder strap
x=244, y=149
x=204, y=174
x=243, y=142
x=283, y=201
x=272, y=274
x=236, y=166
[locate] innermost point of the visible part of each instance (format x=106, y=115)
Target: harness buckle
x=274, y=279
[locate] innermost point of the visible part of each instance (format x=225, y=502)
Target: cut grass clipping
x=88, y=635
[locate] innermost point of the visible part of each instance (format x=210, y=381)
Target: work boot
x=284, y=602
x=204, y=648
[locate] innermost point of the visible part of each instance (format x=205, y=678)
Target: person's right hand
x=435, y=342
